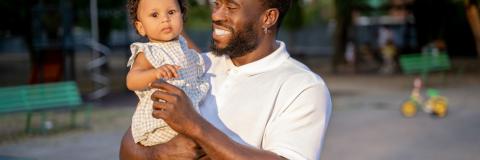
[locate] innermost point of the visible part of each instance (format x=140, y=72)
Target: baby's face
x=159, y=20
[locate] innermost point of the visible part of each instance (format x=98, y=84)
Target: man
x=262, y=103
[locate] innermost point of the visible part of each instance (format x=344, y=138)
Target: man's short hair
x=281, y=5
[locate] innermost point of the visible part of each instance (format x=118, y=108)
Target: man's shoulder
x=302, y=85
x=299, y=74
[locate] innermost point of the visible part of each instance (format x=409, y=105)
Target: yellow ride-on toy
x=436, y=105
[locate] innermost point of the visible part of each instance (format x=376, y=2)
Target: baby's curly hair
x=132, y=7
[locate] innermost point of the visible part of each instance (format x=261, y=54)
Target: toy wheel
x=440, y=108
x=409, y=109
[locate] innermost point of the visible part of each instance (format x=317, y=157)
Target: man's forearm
x=217, y=145
x=180, y=147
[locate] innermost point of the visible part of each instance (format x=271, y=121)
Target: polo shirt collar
x=262, y=65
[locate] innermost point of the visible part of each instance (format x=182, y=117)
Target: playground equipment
x=101, y=82
x=435, y=105
x=52, y=45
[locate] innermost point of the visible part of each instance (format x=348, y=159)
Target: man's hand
x=176, y=109
x=180, y=147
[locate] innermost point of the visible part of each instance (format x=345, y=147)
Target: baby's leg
x=159, y=136
x=152, y=131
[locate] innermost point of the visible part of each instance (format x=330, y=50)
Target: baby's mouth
x=167, y=29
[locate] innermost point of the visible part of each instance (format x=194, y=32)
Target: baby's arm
x=142, y=73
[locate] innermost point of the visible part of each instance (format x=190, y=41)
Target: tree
x=342, y=17
x=293, y=21
x=472, y=12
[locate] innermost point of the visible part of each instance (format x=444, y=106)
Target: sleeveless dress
x=145, y=128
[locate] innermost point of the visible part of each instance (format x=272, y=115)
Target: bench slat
x=421, y=63
x=26, y=90
x=70, y=84
x=39, y=96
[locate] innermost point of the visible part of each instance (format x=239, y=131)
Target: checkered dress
x=146, y=129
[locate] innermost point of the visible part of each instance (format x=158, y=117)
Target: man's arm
x=217, y=145
x=178, y=113
x=180, y=147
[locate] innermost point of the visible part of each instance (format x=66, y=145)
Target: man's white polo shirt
x=275, y=103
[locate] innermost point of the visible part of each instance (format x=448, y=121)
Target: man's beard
x=241, y=43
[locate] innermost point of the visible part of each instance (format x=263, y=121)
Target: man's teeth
x=221, y=32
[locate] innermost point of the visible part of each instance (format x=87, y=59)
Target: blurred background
x=368, y=52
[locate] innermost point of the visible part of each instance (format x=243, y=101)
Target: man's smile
x=221, y=32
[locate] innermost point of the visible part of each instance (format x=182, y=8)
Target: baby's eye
x=155, y=14
x=171, y=12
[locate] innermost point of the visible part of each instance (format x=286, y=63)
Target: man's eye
x=155, y=14
x=231, y=7
x=171, y=12
x=215, y=5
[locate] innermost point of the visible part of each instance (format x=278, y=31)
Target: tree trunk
x=343, y=21
x=28, y=33
x=474, y=21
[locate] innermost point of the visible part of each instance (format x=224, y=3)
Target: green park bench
x=42, y=97
x=424, y=63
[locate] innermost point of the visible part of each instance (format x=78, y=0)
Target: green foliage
x=370, y=7
x=110, y=12
x=193, y=3
x=198, y=18
x=301, y=14
x=365, y=7
x=373, y=3
x=320, y=11
x=294, y=18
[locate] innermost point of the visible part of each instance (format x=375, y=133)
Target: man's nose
x=218, y=14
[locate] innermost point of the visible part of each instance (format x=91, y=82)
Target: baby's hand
x=167, y=71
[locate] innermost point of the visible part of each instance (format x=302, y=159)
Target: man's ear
x=270, y=17
x=139, y=27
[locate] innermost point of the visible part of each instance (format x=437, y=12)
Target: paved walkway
x=365, y=125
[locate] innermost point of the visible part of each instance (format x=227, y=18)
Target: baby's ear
x=139, y=27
